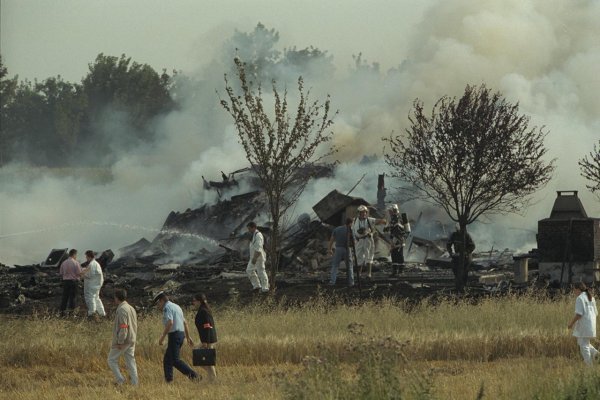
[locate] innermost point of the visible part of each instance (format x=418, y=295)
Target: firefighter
x=454, y=246
x=397, y=237
x=363, y=228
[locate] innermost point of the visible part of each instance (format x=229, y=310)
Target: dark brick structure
x=568, y=235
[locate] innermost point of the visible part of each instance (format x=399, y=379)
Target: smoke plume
x=542, y=54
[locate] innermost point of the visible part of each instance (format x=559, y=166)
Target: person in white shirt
x=256, y=266
x=584, y=322
x=363, y=228
x=92, y=283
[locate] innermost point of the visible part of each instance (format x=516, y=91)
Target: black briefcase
x=204, y=357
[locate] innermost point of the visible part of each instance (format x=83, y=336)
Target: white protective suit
x=92, y=282
x=365, y=246
x=585, y=328
x=257, y=272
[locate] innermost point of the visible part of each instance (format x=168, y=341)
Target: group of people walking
x=175, y=330
x=125, y=326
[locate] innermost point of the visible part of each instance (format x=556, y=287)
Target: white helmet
x=394, y=207
x=362, y=208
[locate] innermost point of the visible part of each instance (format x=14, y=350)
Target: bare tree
x=279, y=147
x=590, y=169
x=472, y=156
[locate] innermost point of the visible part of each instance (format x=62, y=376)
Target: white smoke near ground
x=543, y=54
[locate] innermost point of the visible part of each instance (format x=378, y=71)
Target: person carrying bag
x=205, y=355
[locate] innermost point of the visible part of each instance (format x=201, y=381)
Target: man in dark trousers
x=176, y=328
x=70, y=270
x=341, y=237
x=454, y=246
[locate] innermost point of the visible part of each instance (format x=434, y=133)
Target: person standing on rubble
x=177, y=331
x=92, y=283
x=341, y=237
x=363, y=228
x=584, y=322
x=124, y=338
x=454, y=245
x=397, y=234
x=70, y=270
x=256, y=270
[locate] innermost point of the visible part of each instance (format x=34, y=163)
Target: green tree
x=136, y=89
x=8, y=88
x=43, y=122
x=472, y=156
x=309, y=63
x=265, y=63
x=66, y=105
x=257, y=49
x=278, y=147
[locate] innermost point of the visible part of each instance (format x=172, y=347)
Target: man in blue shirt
x=341, y=236
x=176, y=328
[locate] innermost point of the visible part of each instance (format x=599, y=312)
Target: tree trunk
x=459, y=279
x=273, y=255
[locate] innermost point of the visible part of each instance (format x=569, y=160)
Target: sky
x=42, y=38
x=543, y=54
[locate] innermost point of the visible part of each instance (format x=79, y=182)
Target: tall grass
x=391, y=349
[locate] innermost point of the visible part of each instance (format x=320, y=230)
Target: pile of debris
x=206, y=250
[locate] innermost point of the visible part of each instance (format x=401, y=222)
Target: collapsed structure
x=205, y=249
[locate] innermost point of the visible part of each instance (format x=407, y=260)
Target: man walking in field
x=124, y=337
x=176, y=329
x=70, y=270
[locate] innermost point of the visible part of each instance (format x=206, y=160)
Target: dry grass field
x=498, y=348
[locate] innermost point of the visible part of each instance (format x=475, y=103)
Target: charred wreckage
x=206, y=250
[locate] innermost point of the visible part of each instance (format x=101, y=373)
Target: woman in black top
x=206, y=328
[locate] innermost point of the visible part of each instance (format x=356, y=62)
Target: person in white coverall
x=584, y=322
x=92, y=282
x=363, y=228
x=256, y=266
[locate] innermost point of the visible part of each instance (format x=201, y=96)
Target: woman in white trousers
x=92, y=283
x=584, y=322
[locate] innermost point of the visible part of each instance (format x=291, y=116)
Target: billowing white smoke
x=542, y=54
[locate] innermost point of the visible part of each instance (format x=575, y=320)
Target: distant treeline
x=45, y=123
x=54, y=123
